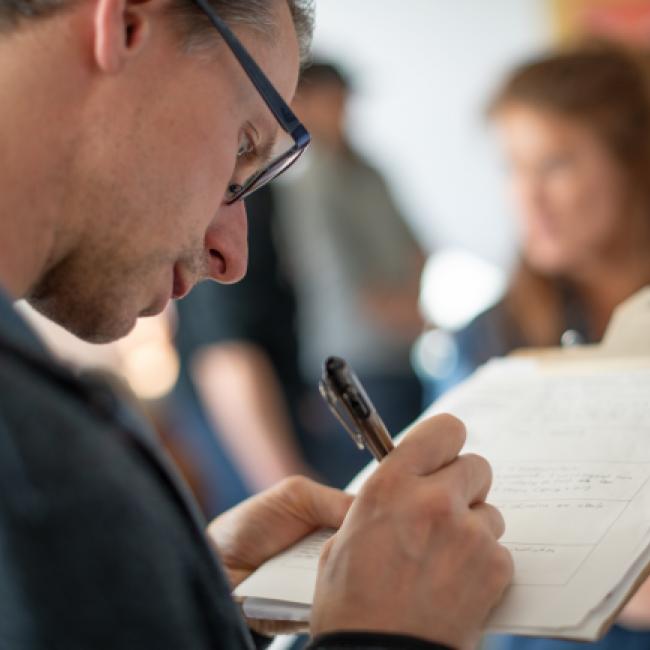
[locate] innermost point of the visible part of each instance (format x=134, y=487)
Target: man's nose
x=226, y=244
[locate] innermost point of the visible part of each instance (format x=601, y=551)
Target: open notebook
x=569, y=442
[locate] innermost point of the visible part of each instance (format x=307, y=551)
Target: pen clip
x=341, y=413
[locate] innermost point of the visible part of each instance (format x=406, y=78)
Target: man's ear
x=121, y=28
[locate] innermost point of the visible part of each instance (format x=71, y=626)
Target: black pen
x=344, y=394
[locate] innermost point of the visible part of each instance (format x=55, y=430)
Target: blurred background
x=425, y=73
x=390, y=237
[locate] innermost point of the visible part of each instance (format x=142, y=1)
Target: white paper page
x=593, y=623
x=571, y=456
x=292, y=573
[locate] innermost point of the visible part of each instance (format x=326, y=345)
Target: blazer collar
x=15, y=329
x=17, y=332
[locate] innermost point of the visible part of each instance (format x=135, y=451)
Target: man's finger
x=428, y=446
x=490, y=517
x=316, y=504
x=469, y=476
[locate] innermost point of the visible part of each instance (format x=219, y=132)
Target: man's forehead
x=280, y=51
x=279, y=58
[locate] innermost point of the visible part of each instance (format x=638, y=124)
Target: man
x=127, y=130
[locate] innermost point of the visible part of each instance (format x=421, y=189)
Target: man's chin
x=99, y=336
x=154, y=310
x=87, y=325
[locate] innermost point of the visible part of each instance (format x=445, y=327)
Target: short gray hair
x=257, y=14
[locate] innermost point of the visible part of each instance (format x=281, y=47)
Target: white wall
x=425, y=69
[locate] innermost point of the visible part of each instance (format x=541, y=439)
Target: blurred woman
x=575, y=129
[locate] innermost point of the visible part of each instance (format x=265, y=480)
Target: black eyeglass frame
x=281, y=111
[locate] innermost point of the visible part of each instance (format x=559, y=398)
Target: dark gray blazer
x=100, y=544
x=101, y=547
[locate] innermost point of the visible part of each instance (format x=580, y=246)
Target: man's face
x=149, y=167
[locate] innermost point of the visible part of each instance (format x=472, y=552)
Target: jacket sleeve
x=261, y=641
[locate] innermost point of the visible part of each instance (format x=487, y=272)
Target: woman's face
x=569, y=193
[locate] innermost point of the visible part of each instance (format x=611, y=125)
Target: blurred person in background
x=356, y=270
x=575, y=128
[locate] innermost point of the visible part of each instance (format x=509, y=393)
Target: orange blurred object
x=620, y=20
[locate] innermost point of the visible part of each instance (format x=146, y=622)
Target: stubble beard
x=88, y=302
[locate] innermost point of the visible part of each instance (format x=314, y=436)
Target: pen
x=350, y=404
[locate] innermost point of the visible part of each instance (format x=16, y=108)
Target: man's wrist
x=347, y=640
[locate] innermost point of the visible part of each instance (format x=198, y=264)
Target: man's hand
x=636, y=614
x=418, y=552
x=262, y=526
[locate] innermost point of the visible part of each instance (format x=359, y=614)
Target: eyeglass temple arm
x=284, y=115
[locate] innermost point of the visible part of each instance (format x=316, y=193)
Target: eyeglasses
x=282, y=113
